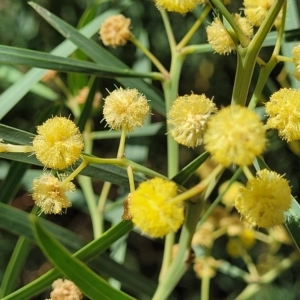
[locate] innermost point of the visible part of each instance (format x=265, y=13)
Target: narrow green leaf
x=101, y=56
x=86, y=280
x=190, y=169
x=18, y=56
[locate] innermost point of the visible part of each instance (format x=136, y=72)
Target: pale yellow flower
x=181, y=6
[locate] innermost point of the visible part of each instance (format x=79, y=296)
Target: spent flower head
x=58, y=143
x=125, y=109
x=235, y=135
x=264, y=200
x=188, y=117
x=65, y=290
x=50, y=194
x=115, y=31
x=153, y=210
x=181, y=6
x=283, y=110
x=219, y=38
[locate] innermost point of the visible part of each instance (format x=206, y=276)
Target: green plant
x=158, y=205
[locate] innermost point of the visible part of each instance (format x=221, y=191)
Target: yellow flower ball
x=244, y=24
x=153, y=210
x=219, y=38
x=264, y=200
x=58, y=143
x=125, y=109
x=284, y=113
x=235, y=135
x=50, y=195
x=115, y=31
x=181, y=6
x=188, y=117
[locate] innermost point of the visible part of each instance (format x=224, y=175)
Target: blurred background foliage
x=207, y=73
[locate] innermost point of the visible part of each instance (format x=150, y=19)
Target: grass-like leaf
x=86, y=280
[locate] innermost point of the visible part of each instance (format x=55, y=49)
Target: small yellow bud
x=153, y=210
x=58, y=144
x=235, y=135
x=219, y=38
x=65, y=290
x=50, y=195
x=115, y=31
x=125, y=109
x=264, y=200
x=179, y=6
x=284, y=112
x=188, y=117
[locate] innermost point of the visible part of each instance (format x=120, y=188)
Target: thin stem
x=120, y=153
x=152, y=58
x=16, y=148
x=168, y=28
x=101, y=203
x=248, y=173
x=130, y=179
x=205, y=282
x=194, y=28
x=74, y=173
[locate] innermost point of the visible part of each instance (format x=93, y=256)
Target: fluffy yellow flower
x=65, y=289
x=284, y=113
x=115, y=31
x=264, y=200
x=153, y=210
x=256, y=11
x=58, y=144
x=188, y=117
x=244, y=24
x=235, y=135
x=181, y=6
x=125, y=109
x=50, y=195
x=219, y=38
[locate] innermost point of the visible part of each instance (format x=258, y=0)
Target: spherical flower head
x=180, y=6
x=296, y=58
x=115, y=31
x=125, y=109
x=58, y=144
x=66, y=290
x=256, y=12
x=264, y=200
x=235, y=135
x=244, y=24
x=283, y=110
x=219, y=38
x=153, y=210
x=50, y=195
x=188, y=117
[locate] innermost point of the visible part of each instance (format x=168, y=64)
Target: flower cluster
x=256, y=12
x=235, y=135
x=179, y=5
x=125, y=109
x=153, y=210
x=50, y=194
x=66, y=290
x=264, y=200
x=58, y=143
x=115, y=31
x=283, y=110
x=188, y=117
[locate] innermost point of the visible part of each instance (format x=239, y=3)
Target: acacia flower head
x=264, y=200
x=188, y=117
x=244, y=24
x=58, y=143
x=153, y=210
x=115, y=31
x=283, y=110
x=180, y=6
x=235, y=135
x=125, y=109
x=296, y=58
x=65, y=289
x=219, y=38
x=50, y=194
x=256, y=11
